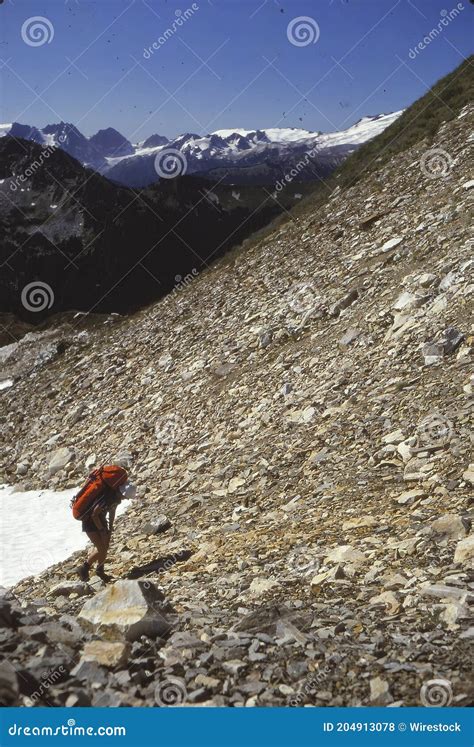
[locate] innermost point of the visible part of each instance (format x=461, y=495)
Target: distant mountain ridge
x=246, y=156
x=101, y=245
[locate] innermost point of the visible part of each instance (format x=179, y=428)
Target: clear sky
x=225, y=64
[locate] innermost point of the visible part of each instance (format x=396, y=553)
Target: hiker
x=95, y=506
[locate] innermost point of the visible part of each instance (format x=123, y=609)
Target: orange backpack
x=109, y=476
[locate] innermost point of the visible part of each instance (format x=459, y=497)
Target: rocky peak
x=154, y=140
x=110, y=142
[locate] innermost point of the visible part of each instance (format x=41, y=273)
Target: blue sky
x=231, y=63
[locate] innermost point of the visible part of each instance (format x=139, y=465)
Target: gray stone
x=60, y=459
x=9, y=688
x=432, y=352
x=261, y=585
x=345, y=554
x=451, y=340
x=78, y=699
x=7, y=616
x=465, y=551
x=349, y=336
x=380, y=691
x=344, y=302
x=64, y=588
x=449, y=525
x=158, y=525
x=90, y=672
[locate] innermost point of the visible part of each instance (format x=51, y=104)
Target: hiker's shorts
x=89, y=525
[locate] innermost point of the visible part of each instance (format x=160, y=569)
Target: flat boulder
x=464, y=552
x=107, y=653
x=260, y=585
x=468, y=475
x=345, y=554
x=449, y=525
x=158, y=525
x=59, y=460
x=126, y=610
x=64, y=588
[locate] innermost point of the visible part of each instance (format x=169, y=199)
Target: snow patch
x=37, y=530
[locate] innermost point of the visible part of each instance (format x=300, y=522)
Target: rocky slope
x=302, y=415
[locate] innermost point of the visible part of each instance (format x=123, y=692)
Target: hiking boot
x=83, y=571
x=102, y=574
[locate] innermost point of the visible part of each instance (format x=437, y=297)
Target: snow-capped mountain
x=70, y=139
x=251, y=156
x=26, y=132
x=91, y=152
x=237, y=156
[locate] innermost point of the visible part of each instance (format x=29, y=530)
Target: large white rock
x=394, y=437
x=380, y=691
x=345, y=554
x=391, y=244
x=449, y=525
x=61, y=457
x=406, y=301
x=468, y=475
x=410, y=496
x=443, y=592
x=126, y=609
x=464, y=552
x=260, y=585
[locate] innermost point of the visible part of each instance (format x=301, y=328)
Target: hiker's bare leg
x=100, y=566
x=106, y=541
x=100, y=540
